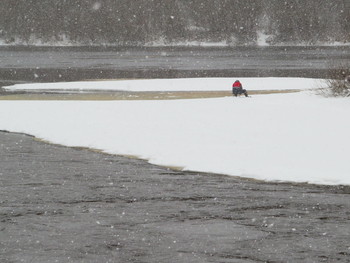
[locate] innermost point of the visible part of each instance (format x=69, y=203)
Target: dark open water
x=39, y=64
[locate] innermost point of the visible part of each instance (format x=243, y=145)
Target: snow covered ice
x=190, y=84
x=295, y=137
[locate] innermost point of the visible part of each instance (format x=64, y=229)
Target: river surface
x=37, y=64
x=61, y=204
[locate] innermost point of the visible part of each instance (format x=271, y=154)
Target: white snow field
x=294, y=137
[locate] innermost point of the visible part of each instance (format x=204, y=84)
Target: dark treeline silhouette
x=137, y=22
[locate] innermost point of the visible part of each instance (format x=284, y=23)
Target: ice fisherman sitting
x=237, y=89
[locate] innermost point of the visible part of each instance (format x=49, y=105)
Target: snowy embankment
x=195, y=84
x=297, y=137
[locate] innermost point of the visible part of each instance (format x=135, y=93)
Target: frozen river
x=62, y=204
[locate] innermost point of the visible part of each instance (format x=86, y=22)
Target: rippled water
x=58, y=64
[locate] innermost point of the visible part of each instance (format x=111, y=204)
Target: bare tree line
x=136, y=22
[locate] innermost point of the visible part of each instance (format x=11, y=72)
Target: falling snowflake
x=96, y=6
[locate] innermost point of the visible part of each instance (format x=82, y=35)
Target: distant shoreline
x=171, y=45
